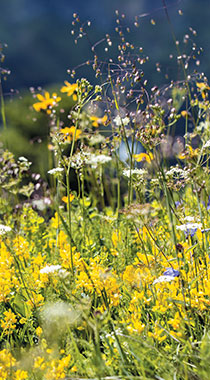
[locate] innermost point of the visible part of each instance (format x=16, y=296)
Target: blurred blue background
x=40, y=46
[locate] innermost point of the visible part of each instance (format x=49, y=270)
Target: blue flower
x=171, y=272
x=177, y=204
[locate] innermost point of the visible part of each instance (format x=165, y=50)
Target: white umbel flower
x=50, y=269
x=96, y=160
x=55, y=171
x=164, y=279
x=121, y=120
x=138, y=172
x=4, y=229
x=175, y=171
x=87, y=158
x=189, y=226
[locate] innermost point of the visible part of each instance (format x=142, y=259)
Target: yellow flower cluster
x=8, y=367
x=94, y=278
x=153, y=289
x=46, y=102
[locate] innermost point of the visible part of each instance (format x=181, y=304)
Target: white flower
x=24, y=162
x=87, y=158
x=121, y=120
x=176, y=171
x=4, y=229
x=41, y=204
x=207, y=144
x=139, y=172
x=189, y=227
x=22, y=159
x=50, y=269
x=95, y=160
x=55, y=171
x=163, y=279
x=80, y=159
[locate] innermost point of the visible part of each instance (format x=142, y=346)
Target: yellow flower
x=6, y=359
x=21, y=248
x=175, y=322
x=116, y=238
x=65, y=199
x=23, y=320
x=189, y=153
x=158, y=334
x=7, y=279
x=148, y=157
x=70, y=89
x=184, y=113
x=37, y=300
x=69, y=133
x=96, y=121
x=38, y=331
x=39, y=363
x=9, y=322
x=203, y=87
x=20, y=375
x=46, y=102
x=135, y=324
x=74, y=369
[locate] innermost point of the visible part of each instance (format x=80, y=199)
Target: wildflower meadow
x=105, y=257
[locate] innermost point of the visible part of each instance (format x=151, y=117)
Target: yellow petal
x=65, y=198
x=40, y=97
x=144, y=157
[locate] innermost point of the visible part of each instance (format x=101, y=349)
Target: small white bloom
x=87, y=158
x=121, y=120
x=50, y=269
x=22, y=159
x=55, y=171
x=164, y=279
x=39, y=204
x=189, y=227
x=95, y=160
x=207, y=144
x=4, y=229
x=138, y=172
x=176, y=172
x=79, y=159
x=24, y=162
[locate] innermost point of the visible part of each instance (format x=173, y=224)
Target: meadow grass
x=105, y=271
